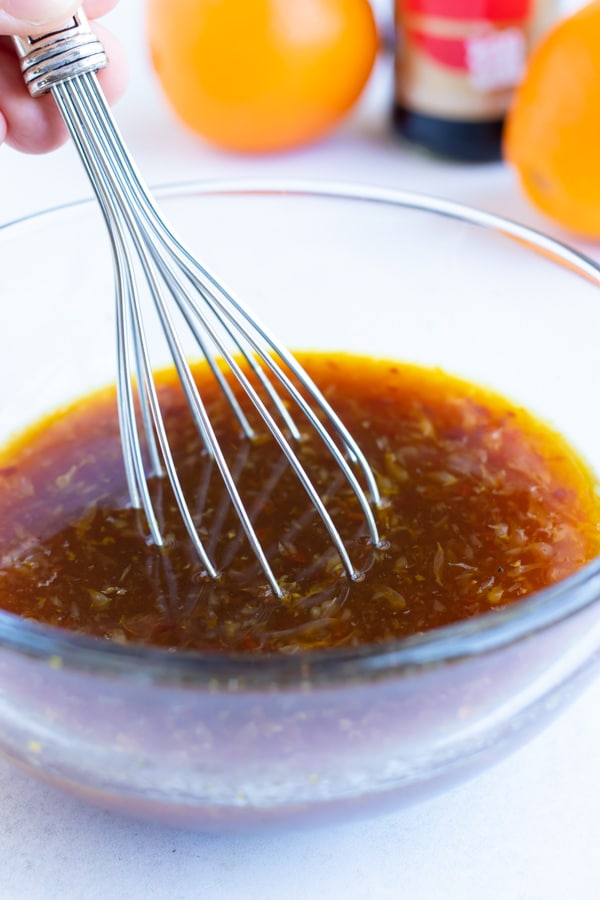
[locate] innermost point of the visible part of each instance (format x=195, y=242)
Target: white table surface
x=528, y=829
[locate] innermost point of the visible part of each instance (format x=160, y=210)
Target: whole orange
x=552, y=134
x=262, y=75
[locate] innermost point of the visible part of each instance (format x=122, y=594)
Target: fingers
x=35, y=126
x=28, y=16
x=25, y=17
x=30, y=125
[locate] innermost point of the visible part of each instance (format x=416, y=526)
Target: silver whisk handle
x=61, y=55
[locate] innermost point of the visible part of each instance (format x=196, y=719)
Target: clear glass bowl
x=232, y=742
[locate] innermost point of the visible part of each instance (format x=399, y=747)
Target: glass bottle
x=457, y=65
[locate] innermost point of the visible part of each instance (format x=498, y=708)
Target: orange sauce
x=482, y=505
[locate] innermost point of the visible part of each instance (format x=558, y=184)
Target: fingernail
x=38, y=12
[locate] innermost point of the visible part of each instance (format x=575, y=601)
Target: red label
x=492, y=60
x=449, y=52
x=472, y=10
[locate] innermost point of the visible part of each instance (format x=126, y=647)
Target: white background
x=529, y=829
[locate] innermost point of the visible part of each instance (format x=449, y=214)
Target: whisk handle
x=61, y=55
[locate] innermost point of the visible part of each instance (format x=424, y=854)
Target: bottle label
x=462, y=59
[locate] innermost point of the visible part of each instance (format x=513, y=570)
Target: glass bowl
x=224, y=741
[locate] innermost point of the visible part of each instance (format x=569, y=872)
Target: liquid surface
x=482, y=505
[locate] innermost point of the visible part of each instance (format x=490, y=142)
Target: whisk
x=64, y=63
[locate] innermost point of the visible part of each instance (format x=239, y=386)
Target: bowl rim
x=448, y=644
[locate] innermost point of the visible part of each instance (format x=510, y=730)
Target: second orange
x=259, y=76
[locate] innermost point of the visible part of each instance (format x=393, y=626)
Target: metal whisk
x=64, y=63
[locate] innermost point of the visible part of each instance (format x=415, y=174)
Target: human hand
x=35, y=125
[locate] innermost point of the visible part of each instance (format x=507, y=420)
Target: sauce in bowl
x=482, y=505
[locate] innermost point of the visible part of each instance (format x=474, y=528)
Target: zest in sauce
x=482, y=505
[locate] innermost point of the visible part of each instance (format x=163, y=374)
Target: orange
x=262, y=75
x=552, y=134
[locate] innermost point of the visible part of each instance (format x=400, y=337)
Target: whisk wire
x=73, y=101
x=220, y=302
x=130, y=179
x=124, y=288
x=217, y=321
x=132, y=183
x=117, y=152
x=68, y=96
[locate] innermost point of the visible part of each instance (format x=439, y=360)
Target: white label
x=496, y=61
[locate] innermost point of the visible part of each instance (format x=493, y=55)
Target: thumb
x=34, y=16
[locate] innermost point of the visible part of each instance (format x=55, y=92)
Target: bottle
x=457, y=65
